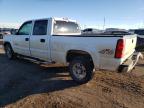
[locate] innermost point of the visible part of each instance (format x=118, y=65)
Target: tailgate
x=130, y=44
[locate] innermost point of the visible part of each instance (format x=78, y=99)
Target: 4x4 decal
x=107, y=51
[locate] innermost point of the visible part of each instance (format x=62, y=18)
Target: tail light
x=119, y=48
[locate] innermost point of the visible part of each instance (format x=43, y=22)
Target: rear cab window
x=66, y=28
x=40, y=27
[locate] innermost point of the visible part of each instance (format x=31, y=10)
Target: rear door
x=21, y=39
x=39, y=40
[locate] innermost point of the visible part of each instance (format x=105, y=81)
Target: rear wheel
x=81, y=70
x=9, y=51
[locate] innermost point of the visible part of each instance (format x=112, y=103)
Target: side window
x=25, y=29
x=40, y=27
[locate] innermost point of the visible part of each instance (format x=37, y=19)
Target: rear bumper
x=130, y=63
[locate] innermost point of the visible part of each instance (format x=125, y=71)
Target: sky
x=127, y=14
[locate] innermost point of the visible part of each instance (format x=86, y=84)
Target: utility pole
x=104, y=24
x=143, y=24
x=84, y=26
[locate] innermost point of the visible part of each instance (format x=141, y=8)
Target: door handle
x=26, y=39
x=42, y=40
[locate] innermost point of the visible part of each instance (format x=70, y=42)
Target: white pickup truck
x=59, y=40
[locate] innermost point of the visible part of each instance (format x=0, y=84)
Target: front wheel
x=81, y=70
x=9, y=52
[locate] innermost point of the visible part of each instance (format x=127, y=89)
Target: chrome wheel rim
x=79, y=71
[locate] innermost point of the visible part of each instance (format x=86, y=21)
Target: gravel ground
x=24, y=84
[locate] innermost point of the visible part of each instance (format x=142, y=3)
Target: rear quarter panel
x=101, y=49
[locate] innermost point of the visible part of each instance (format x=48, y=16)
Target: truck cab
x=33, y=37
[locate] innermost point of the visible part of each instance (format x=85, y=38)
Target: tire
x=81, y=70
x=9, y=52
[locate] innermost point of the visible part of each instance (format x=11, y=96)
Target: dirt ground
x=28, y=85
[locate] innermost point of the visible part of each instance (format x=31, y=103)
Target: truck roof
x=55, y=18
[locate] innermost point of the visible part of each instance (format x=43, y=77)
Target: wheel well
x=78, y=53
x=6, y=43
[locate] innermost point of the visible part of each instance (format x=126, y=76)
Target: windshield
x=64, y=27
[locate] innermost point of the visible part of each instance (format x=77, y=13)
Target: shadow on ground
x=21, y=78
x=140, y=65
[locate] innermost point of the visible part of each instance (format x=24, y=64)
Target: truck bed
x=104, y=34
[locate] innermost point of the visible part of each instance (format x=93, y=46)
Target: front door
x=21, y=39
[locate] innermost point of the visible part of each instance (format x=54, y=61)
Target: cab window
x=40, y=27
x=25, y=29
x=65, y=27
